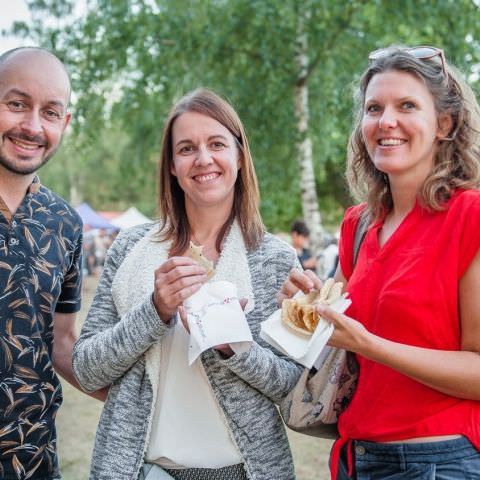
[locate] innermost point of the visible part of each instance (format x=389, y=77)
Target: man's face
x=299, y=241
x=34, y=93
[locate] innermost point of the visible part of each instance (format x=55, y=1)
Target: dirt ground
x=78, y=417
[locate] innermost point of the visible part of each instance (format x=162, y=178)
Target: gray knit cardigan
x=112, y=351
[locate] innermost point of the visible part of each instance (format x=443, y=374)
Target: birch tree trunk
x=75, y=195
x=311, y=212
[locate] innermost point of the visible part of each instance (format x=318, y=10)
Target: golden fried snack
x=197, y=255
x=300, y=314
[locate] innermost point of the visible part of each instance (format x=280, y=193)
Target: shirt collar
x=34, y=187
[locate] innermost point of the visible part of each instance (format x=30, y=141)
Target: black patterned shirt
x=40, y=274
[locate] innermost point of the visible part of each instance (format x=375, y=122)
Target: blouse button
x=359, y=450
x=13, y=241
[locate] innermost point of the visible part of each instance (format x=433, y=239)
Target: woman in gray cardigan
x=216, y=419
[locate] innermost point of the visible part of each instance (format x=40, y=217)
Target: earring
x=449, y=138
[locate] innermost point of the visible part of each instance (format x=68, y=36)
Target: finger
x=301, y=280
x=173, y=286
x=181, y=295
x=333, y=340
x=174, y=262
x=183, y=317
x=180, y=271
x=178, y=278
x=329, y=314
x=168, y=298
x=317, y=283
x=225, y=349
x=288, y=291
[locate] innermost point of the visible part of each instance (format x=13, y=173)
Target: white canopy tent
x=130, y=218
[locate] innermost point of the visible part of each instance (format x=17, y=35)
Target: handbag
x=320, y=396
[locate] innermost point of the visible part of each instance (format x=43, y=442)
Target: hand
x=224, y=348
x=306, y=281
x=176, y=280
x=348, y=333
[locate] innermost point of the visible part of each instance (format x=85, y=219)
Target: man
x=40, y=264
x=300, y=234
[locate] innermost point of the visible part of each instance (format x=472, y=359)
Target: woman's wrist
x=166, y=317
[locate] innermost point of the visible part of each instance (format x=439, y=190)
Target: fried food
x=197, y=255
x=300, y=314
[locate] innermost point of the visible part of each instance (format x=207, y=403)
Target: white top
x=188, y=427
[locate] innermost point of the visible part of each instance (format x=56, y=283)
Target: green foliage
x=130, y=60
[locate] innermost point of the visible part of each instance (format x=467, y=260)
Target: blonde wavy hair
x=457, y=160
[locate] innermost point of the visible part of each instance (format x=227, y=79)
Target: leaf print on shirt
x=34, y=268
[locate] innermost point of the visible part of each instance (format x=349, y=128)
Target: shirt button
x=13, y=241
x=14, y=223
x=359, y=450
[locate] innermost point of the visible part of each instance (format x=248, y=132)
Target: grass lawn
x=78, y=417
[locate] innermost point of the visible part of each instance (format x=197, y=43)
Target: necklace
x=213, y=253
x=208, y=250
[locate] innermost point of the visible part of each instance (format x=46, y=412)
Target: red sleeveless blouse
x=407, y=292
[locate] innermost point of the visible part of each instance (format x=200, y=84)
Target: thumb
x=243, y=302
x=326, y=312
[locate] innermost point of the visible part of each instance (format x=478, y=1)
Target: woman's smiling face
x=400, y=125
x=205, y=160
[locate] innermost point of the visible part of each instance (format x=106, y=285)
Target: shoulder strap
x=360, y=233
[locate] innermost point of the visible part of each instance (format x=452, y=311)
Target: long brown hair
x=457, y=159
x=174, y=223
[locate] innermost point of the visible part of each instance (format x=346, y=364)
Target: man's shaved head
x=23, y=53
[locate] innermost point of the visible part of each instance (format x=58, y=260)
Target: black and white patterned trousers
x=234, y=472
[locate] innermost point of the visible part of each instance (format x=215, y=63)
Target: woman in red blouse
x=414, y=322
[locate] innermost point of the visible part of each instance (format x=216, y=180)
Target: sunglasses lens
x=376, y=54
x=423, y=52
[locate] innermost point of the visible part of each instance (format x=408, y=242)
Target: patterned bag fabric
x=151, y=471
x=319, y=397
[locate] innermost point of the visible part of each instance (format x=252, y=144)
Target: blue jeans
x=454, y=459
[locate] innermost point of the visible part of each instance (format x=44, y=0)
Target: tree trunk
x=311, y=212
x=75, y=195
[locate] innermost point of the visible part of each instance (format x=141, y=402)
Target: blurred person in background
x=300, y=234
x=330, y=257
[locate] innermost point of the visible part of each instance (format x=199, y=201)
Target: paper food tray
x=304, y=349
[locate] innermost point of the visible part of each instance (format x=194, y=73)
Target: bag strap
x=360, y=232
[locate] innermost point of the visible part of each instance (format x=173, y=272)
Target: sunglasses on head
x=421, y=52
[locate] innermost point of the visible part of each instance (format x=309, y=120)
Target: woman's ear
x=445, y=124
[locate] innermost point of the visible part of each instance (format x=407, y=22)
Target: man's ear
x=68, y=117
x=445, y=124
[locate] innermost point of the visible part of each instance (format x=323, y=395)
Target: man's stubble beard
x=6, y=163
